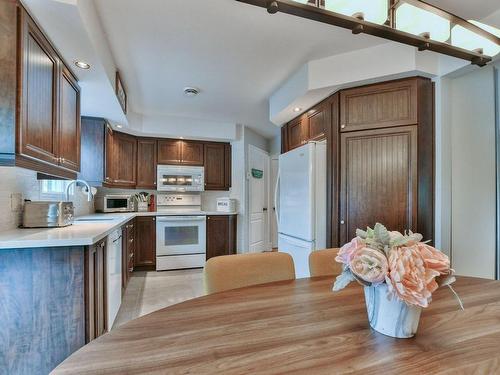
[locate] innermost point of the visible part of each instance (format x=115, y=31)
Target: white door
x=258, y=199
x=274, y=181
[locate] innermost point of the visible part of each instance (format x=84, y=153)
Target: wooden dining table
x=300, y=327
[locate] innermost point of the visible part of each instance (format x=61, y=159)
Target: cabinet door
x=69, y=124
x=192, y=153
x=146, y=163
x=317, y=122
x=379, y=106
x=169, y=151
x=221, y=235
x=145, y=250
x=378, y=180
x=95, y=284
x=93, y=132
x=215, y=169
x=298, y=132
x=125, y=152
x=38, y=112
x=110, y=167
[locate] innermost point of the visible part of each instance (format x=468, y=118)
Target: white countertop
x=81, y=233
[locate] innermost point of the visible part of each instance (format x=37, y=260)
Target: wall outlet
x=16, y=202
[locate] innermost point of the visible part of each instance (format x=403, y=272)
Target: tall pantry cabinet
x=381, y=158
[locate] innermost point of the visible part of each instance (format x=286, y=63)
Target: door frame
x=267, y=242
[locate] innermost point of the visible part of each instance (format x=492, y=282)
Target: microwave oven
x=180, y=178
x=115, y=203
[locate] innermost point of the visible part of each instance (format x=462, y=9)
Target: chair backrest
x=322, y=263
x=240, y=270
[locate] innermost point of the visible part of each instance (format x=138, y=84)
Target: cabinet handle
x=342, y=222
x=131, y=240
x=154, y=183
x=130, y=270
x=154, y=219
x=131, y=255
x=342, y=126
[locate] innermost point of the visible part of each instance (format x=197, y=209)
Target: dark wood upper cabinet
x=43, y=120
x=379, y=106
x=39, y=86
x=169, y=151
x=378, y=174
x=217, y=166
x=317, y=120
x=121, y=159
x=221, y=235
x=69, y=124
x=192, y=153
x=145, y=249
x=297, y=132
x=146, y=163
x=93, y=132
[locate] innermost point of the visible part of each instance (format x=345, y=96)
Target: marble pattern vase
x=390, y=317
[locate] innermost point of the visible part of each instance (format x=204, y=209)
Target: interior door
x=378, y=180
x=258, y=199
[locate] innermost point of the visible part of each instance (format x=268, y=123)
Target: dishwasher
x=114, y=275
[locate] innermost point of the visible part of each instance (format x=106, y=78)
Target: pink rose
x=369, y=265
x=434, y=259
x=346, y=251
x=408, y=278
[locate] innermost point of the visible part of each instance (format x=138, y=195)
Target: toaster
x=47, y=214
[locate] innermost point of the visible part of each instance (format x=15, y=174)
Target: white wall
x=465, y=174
x=23, y=181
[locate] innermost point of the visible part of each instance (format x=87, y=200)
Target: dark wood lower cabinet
x=95, y=291
x=221, y=235
x=128, y=251
x=145, y=249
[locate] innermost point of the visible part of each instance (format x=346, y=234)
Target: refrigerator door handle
x=276, y=207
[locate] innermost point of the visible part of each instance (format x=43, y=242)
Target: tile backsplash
x=20, y=184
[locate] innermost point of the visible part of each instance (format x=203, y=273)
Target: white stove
x=180, y=240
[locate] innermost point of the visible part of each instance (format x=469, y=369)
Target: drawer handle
x=131, y=240
x=131, y=255
x=131, y=269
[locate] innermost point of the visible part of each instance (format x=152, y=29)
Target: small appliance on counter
x=47, y=214
x=226, y=205
x=115, y=203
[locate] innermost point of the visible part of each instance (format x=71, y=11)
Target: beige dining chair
x=322, y=263
x=240, y=270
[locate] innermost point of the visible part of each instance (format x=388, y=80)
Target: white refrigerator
x=301, y=203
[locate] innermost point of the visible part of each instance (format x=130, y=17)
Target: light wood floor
x=151, y=291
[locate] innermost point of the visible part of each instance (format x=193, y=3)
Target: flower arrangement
x=411, y=269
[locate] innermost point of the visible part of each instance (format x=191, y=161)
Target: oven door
x=180, y=235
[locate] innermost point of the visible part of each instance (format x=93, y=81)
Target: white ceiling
x=237, y=54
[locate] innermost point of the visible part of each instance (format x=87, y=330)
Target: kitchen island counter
x=86, y=230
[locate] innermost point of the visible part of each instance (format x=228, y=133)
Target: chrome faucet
x=75, y=182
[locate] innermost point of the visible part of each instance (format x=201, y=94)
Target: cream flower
x=369, y=265
x=346, y=251
x=434, y=259
x=408, y=278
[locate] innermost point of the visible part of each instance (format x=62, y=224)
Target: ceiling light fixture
x=119, y=126
x=191, y=91
x=297, y=109
x=412, y=22
x=82, y=64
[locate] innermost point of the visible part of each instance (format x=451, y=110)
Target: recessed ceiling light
x=82, y=64
x=181, y=137
x=119, y=126
x=191, y=91
x=297, y=109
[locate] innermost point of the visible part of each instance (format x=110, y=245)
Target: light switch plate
x=16, y=202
